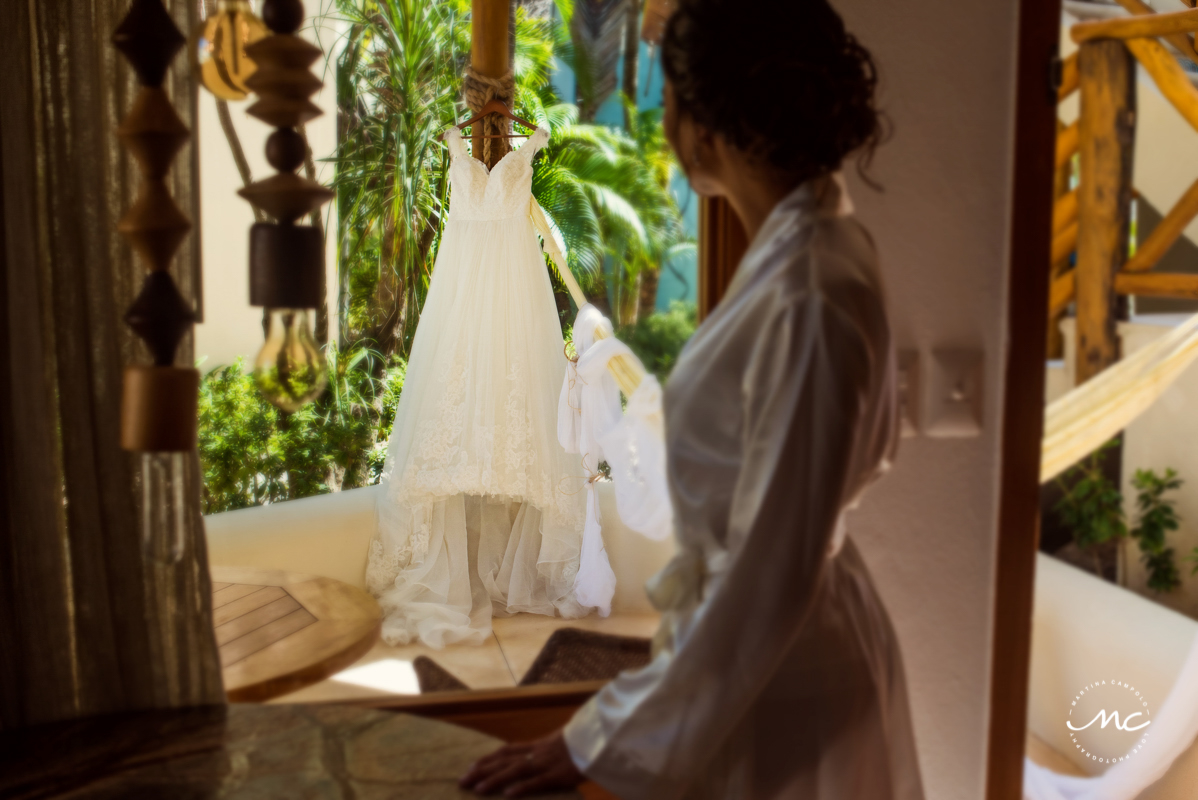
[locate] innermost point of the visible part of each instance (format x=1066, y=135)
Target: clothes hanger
x=498, y=107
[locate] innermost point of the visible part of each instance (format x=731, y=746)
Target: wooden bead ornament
x=286, y=258
x=158, y=403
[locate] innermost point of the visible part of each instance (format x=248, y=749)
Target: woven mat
x=569, y=655
x=572, y=654
x=435, y=678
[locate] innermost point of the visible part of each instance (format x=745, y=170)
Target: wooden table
x=279, y=632
x=249, y=752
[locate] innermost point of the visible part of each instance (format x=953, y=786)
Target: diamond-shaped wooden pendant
x=149, y=39
x=287, y=196
x=154, y=225
x=160, y=316
x=153, y=132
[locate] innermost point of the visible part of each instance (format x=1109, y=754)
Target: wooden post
x=1064, y=229
x=722, y=244
x=1107, y=137
x=490, y=51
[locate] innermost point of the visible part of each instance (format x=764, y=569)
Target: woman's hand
x=525, y=768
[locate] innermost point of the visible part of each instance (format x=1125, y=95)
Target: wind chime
x=236, y=53
x=286, y=258
x=159, y=400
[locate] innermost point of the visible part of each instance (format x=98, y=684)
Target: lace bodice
x=500, y=193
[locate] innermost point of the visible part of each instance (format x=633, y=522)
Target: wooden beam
x=1061, y=293
x=1183, y=43
x=1168, y=231
x=1022, y=412
x=722, y=244
x=490, y=53
x=1169, y=77
x=1064, y=243
x=1107, y=137
x=1069, y=77
x=1140, y=27
x=1064, y=212
x=1158, y=284
x=1067, y=143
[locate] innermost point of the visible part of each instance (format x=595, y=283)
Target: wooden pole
x=490, y=51
x=1148, y=26
x=722, y=243
x=1107, y=138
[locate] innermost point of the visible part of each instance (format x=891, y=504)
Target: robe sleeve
x=803, y=391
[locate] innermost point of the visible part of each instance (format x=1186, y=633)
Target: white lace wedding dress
x=482, y=510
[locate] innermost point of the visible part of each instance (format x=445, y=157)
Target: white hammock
x=1081, y=421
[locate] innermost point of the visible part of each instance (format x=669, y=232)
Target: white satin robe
x=776, y=672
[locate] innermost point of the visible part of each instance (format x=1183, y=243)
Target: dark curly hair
x=781, y=80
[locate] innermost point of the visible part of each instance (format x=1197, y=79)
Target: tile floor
x=498, y=663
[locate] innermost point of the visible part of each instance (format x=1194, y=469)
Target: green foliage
x=1092, y=505
x=252, y=453
x=658, y=339
x=239, y=442
x=1193, y=556
x=1157, y=517
x=398, y=80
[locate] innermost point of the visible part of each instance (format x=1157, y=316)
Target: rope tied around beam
x=480, y=90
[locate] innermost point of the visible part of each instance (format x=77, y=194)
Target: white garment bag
x=588, y=405
x=631, y=442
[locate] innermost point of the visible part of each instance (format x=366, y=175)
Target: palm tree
x=397, y=87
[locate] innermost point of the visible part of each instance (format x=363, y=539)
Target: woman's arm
x=648, y=733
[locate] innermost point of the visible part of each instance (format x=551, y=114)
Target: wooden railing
x=1093, y=219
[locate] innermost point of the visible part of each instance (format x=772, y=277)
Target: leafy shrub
x=1157, y=518
x=658, y=339
x=1091, y=506
x=252, y=453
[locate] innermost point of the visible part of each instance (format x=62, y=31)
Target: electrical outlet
x=955, y=405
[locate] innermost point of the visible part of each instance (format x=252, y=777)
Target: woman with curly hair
x=776, y=672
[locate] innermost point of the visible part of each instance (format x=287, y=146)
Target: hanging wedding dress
x=482, y=510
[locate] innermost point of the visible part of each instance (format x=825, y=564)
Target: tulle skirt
x=482, y=510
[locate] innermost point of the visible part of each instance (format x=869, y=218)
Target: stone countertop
x=243, y=751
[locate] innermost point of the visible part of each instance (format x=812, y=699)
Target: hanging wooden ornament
x=286, y=258
x=159, y=401
x=218, y=47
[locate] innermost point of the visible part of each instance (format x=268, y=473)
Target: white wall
x=1165, y=436
x=928, y=531
x=231, y=326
